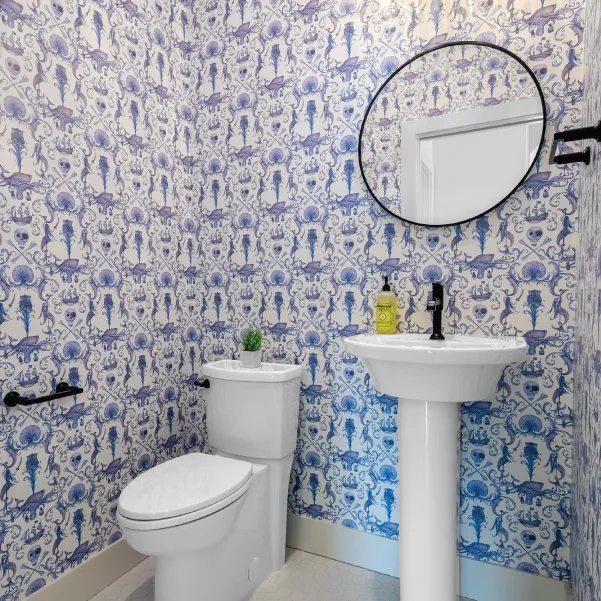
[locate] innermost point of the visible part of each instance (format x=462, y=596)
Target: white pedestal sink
x=431, y=378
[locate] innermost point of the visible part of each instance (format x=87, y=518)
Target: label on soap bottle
x=386, y=316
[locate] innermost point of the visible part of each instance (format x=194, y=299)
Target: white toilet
x=216, y=524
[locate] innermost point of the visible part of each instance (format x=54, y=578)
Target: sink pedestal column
x=428, y=466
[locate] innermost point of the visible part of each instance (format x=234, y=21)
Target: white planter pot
x=250, y=359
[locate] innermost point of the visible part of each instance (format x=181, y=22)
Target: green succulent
x=251, y=341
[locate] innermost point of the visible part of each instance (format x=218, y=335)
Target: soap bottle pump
x=386, y=310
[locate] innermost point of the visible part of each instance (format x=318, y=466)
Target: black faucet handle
x=435, y=297
x=435, y=305
x=437, y=289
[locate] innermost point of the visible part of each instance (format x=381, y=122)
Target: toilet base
x=206, y=577
x=229, y=570
x=225, y=555
x=279, y=478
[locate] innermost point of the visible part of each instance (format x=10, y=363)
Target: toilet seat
x=180, y=520
x=182, y=490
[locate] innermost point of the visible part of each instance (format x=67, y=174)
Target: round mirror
x=452, y=133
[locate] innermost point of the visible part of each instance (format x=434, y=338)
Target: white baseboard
x=95, y=574
x=479, y=581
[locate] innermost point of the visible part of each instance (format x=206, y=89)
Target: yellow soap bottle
x=386, y=309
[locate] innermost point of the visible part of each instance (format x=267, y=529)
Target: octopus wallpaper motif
x=171, y=174
x=446, y=81
x=99, y=271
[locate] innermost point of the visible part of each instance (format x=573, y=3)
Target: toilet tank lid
x=267, y=372
x=183, y=485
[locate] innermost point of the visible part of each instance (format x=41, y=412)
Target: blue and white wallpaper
x=295, y=243
x=586, y=550
x=170, y=174
x=100, y=233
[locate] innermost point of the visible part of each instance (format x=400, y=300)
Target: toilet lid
x=182, y=485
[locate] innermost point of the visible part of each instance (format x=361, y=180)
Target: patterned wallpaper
x=586, y=550
x=100, y=228
x=451, y=80
x=295, y=244
x=170, y=174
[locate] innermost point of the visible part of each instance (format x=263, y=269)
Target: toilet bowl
x=216, y=524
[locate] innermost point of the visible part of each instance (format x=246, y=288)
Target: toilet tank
x=253, y=412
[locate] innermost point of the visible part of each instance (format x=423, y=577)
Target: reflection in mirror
x=452, y=133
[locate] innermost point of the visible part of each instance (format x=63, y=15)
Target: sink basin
x=459, y=369
x=431, y=378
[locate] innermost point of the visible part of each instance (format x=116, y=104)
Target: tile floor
x=305, y=577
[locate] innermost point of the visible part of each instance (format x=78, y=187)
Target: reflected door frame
x=519, y=112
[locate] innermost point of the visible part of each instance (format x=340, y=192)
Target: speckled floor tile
x=305, y=577
x=136, y=585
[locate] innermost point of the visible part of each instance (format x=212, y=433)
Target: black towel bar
x=12, y=399
x=575, y=135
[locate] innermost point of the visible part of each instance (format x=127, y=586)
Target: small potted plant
x=250, y=356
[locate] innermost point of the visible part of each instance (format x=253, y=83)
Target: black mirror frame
x=418, y=56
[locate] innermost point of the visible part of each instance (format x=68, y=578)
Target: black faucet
x=435, y=306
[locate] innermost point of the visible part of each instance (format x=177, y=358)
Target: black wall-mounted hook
x=575, y=135
x=12, y=399
x=203, y=383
